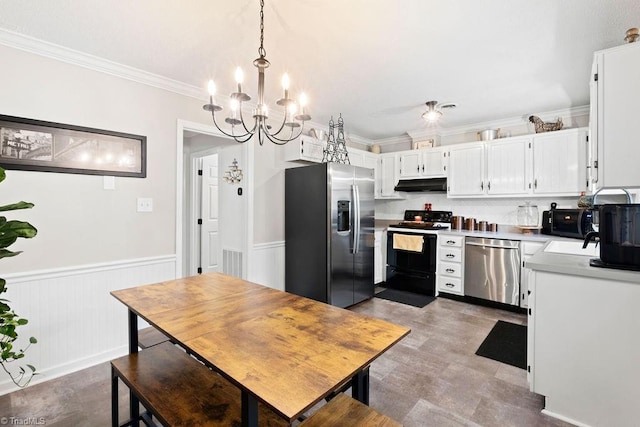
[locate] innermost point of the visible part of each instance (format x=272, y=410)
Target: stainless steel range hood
x=426, y=184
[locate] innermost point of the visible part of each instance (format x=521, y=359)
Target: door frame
x=182, y=126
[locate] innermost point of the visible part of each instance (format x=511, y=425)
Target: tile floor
x=431, y=378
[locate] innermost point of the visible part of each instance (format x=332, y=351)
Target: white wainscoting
x=267, y=265
x=73, y=316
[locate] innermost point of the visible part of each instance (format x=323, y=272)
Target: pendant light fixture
x=292, y=123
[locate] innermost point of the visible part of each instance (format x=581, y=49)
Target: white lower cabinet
x=527, y=249
x=449, y=270
x=583, y=348
x=379, y=255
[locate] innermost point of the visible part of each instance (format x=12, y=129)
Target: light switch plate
x=109, y=182
x=145, y=204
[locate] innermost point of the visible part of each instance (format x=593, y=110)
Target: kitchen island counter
x=577, y=265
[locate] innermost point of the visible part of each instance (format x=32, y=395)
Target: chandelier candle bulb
x=285, y=85
x=239, y=79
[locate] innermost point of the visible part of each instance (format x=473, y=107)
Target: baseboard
x=8, y=386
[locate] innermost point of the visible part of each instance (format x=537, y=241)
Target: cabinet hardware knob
x=450, y=270
x=449, y=285
x=482, y=185
x=450, y=255
x=450, y=242
x=535, y=183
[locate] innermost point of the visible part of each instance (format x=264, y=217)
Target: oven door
x=409, y=259
x=409, y=268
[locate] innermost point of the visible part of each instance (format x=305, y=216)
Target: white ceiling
x=377, y=62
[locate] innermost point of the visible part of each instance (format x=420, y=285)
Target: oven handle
x=356, y=218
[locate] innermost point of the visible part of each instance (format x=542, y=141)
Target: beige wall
x=78, y=221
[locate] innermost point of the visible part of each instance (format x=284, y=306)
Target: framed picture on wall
x=35, y=145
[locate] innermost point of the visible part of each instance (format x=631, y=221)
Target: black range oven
x=411, y=251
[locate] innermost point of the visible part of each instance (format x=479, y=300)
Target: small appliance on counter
x=619, y=232
x=574, y=223
x=528, y=218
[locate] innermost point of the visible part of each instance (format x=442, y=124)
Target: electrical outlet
x=145, y=204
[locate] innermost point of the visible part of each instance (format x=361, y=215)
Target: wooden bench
x=344, y=411
x=178, y=390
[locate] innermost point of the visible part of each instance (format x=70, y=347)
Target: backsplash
x=499, y=211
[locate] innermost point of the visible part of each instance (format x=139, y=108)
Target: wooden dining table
x=286, y=351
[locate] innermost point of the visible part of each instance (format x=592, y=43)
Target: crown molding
x=500, y=123
x=61, y=53
x=393, y=140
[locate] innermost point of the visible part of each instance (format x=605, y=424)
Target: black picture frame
x=36, y=145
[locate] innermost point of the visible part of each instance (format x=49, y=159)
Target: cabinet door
x=371, y=162
x=617, y=110
x=388, y=175
x=433, y=161
x=411, y=164
x=356, y=158
x=560, y=162
x=528, y=249
x=466, y=170
x=508, y=168
x=378, y=266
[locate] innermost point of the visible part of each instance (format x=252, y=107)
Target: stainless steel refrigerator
x=329, y=233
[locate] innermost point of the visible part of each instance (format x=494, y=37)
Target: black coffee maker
x=619, y=233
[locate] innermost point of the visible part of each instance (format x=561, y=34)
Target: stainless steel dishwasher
x=492, y=269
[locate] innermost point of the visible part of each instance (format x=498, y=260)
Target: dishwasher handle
x=510, y=245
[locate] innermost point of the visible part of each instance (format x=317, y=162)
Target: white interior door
x=209, y=231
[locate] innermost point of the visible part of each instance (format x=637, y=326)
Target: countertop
x=577, y=265
x=509, y=232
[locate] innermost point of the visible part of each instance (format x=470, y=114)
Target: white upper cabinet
x=466, y=170
x=434, y=161
x=425, y=163
x=410, y=164
x=508, y=166
x=365, y=159
x=389, y=175
x=305, y=148
x=615, y=126
x=560, y=162
x=544, y=164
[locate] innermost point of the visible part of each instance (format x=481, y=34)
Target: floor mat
x=506, y=343
x=405, y=297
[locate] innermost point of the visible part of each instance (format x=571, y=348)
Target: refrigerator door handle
x=356, y=219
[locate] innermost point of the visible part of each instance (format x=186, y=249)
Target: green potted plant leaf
x=10, y=231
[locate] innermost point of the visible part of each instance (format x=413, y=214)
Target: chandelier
x=242, y=130
x=234, y=174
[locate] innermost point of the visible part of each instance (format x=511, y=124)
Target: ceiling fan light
x=432, y=116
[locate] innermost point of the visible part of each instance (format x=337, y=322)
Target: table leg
x=134, y=403
x=115, y=417
x=249, y=410
x=360, y=386
x=133, y=332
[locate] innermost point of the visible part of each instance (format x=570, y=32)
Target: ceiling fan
x=434, y=110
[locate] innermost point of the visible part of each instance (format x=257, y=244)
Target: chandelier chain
x=261, y=51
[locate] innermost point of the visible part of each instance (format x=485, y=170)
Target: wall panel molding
x=74, y=317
